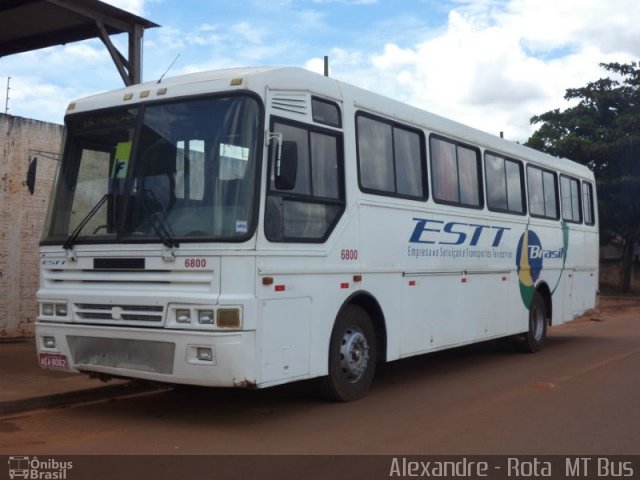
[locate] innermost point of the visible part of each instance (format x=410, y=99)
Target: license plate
x=53, y=360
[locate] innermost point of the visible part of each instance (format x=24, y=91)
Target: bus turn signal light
x=229, y=318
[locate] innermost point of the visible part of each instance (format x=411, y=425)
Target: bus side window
x=543, y=193
x=455, y=173
x=570, y=195
x=504, y=179
x=587, y=200
x=390, y=158
x=327, y=112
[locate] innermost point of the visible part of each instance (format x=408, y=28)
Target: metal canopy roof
x=33, y=24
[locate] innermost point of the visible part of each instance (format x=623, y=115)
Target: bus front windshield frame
x=182, y=170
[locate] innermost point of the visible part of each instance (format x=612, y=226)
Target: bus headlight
x=183, y=315
x=54, y=309
x=205, y=317
x=204, y=354
x=48, y=309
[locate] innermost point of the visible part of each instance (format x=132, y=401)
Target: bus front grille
x=119, y=314
x=141, y=355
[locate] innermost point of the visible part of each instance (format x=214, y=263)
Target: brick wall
x=22, y=217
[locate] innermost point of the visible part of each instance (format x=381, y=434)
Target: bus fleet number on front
x=195, y=262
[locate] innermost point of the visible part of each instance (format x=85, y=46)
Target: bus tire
x=352, y=356
x=533, y=340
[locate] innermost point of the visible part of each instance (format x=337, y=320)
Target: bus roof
x=295, y=78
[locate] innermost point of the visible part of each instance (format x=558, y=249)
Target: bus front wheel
x=533, y=340
x=352, y=356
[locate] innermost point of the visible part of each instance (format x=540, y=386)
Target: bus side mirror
x=287, y=166
x=31, y=175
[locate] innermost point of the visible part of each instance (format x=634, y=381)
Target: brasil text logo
x=530, y=257
x=529, y=263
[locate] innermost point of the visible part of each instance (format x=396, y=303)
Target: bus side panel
x=575, y=292
x=284, y=338
x=562, y=298
x=417, y=328
x=449, y=310
x=585, y=282
x=429, y=300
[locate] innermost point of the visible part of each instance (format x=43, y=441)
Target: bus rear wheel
x=533, y=340
x=352, y=356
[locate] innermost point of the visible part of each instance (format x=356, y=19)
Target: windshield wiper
x=157, y=220
x=71, y=239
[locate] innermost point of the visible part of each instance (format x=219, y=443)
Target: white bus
x=251, y=227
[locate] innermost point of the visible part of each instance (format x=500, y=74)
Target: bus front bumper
x=218, y=359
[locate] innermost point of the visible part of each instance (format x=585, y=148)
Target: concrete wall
x=22, y=217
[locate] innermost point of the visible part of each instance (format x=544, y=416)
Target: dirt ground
x=610, y=306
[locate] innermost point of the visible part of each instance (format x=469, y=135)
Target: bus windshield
x=166, y=172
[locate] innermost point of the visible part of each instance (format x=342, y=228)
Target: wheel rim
x=537, y=319
x=354, y=354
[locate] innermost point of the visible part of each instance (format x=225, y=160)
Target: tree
x=602, y=131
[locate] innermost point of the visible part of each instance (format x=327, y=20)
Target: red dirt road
x=578, y=396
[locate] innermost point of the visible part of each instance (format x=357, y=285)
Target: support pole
x=135, y=54
x=6, y=102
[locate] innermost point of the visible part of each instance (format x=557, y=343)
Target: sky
x=491, y=64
